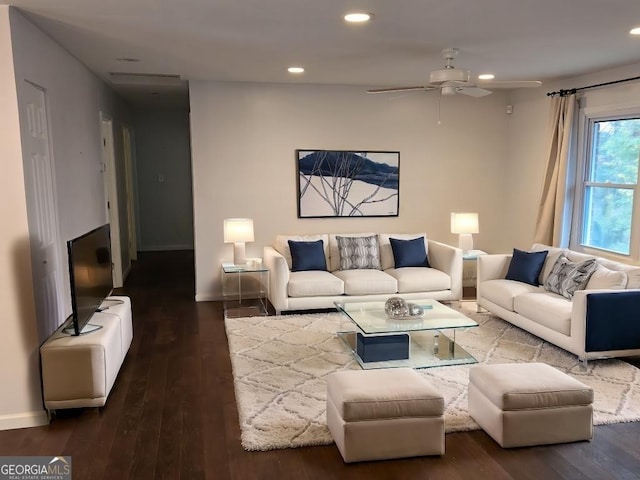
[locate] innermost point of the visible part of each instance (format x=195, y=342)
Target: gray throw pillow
x=359, y=252
x=566, y=277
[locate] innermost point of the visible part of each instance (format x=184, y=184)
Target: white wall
x=244, y=138
x=20, y=400
x=75, y=98
x=527, y=141
x=163, y=163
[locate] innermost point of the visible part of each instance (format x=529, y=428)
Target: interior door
x=42, y=211
x=111, y=199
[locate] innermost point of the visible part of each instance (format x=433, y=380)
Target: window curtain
x=552, y=226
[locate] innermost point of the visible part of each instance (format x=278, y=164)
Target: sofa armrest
x=278, y=278
x=606, y=319
x=493, y=267
x=447, y=259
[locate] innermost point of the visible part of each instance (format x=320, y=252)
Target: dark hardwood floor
x=172, y=413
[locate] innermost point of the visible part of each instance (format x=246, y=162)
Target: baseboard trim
x=24, y=420
x=208, y=297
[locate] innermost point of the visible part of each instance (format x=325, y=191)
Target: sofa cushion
x=409, y=253
x=307, y=256
x=546, y=308
x=281, y=244
x=334, y=252
x=604, y=277
x=526, y=266
x=577, y=257
x=633, y=275
x=634, y=278
x=386, y=252
x=367, y=282
x=566, y=277
x=549, y=262
x=358, y=252
x=502, y=292
x=420, y=279
x=314, y=283
x=632, y=272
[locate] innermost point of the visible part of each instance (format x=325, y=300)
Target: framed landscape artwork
x=344, y=183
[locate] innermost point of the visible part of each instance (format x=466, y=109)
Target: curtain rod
x=571, y=91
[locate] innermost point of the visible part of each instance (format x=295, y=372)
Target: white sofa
x=600, y=321
x=308, y=290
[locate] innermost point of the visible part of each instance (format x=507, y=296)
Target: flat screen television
x=90, y=277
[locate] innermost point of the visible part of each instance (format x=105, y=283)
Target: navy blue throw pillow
x=409, y=253
x=526, y=266
x=307, y=256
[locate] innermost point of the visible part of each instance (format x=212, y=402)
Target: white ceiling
x=256, y=40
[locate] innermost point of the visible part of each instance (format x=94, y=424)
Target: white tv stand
x=79, y=371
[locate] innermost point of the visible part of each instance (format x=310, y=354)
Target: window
x=607, y=207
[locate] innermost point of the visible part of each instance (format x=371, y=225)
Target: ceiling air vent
x=151, y=79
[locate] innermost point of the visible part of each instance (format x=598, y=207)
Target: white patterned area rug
x=280, y=365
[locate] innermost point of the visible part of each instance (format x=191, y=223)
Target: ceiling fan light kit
x=448, y=75
x=448, y=91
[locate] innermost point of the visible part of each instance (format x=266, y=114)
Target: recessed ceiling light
x=127, y=59
x=295, y=70
x=486, y=76
x=358, y=17
x=635, y=31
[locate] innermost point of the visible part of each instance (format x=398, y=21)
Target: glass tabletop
x=248, y=267
x=371, y=318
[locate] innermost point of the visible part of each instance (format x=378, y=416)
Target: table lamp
x=238, y=231
x=465, y=224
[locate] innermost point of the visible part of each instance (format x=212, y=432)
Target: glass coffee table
x=378, y=341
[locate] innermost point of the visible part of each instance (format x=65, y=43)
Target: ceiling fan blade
x=474, y=92
x=400, y=89
x=510, y=84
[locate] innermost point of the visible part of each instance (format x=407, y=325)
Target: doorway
x=111, y=199
x=127, y=148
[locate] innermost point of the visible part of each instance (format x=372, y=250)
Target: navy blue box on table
x=381, y=348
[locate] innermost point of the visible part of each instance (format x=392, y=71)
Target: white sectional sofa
x=600, y=321
x=316, y=289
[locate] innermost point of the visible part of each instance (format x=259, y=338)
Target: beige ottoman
x=382, y=414
x=523, y=404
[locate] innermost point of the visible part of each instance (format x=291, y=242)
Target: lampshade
x=464, y=223
x=238, y=230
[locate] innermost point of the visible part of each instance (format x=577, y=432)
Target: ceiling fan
x=451, y=80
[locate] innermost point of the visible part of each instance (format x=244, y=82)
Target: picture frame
x=347, y=183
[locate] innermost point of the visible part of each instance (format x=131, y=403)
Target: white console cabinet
x=79, y=371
